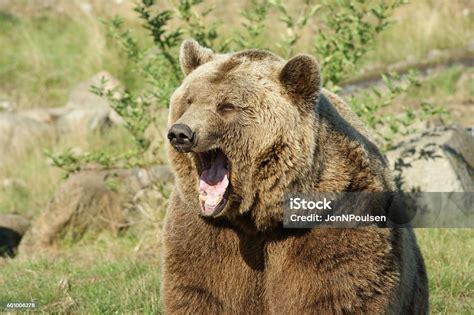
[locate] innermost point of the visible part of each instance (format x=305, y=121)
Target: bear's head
x=241, y=130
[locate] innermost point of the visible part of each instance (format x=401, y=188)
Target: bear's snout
x=182, y=137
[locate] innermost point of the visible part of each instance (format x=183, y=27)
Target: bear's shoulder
x=339, y=118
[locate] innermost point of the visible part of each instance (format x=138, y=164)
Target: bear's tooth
x=212, y=202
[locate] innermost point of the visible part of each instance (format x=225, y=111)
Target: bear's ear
x=192, y=55
x=301, y=78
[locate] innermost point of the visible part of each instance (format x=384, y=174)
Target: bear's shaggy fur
x=282, y=132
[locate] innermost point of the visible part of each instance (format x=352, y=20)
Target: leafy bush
x=347, y=32
x=387, y=127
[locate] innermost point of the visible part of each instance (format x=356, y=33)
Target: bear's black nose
x=182, y=138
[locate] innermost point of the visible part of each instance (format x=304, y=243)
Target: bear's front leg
x=203, y=269
x=332, y=271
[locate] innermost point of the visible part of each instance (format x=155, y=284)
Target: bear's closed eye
x=226, y=107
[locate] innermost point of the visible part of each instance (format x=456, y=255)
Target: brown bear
x=244, y=128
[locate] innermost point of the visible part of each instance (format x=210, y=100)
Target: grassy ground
x=423, y=26
x=449, y=257
x=39, y=65
x=108, y=276
x=47, y=51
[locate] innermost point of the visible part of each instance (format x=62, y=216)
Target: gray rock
x=12, y=183
x=91, y=201
x=86, y=111
x=439, y=164
x=437, y=160
x=17, y=133
x=14, y=222
x=81, y=121
x=45, y=115
x=6, y=105
x=153, y=174
x=81, y=95
x=87, y=202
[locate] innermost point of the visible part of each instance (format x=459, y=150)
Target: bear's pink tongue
x=213, y=184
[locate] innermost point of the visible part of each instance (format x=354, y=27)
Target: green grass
x=65, y=285
x=107, y=275
x=423, y=26
x=103, y=275
x=439, y=85
x=44, y=57
x=449, y=257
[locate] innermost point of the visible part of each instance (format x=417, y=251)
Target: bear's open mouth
x=214, y=183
